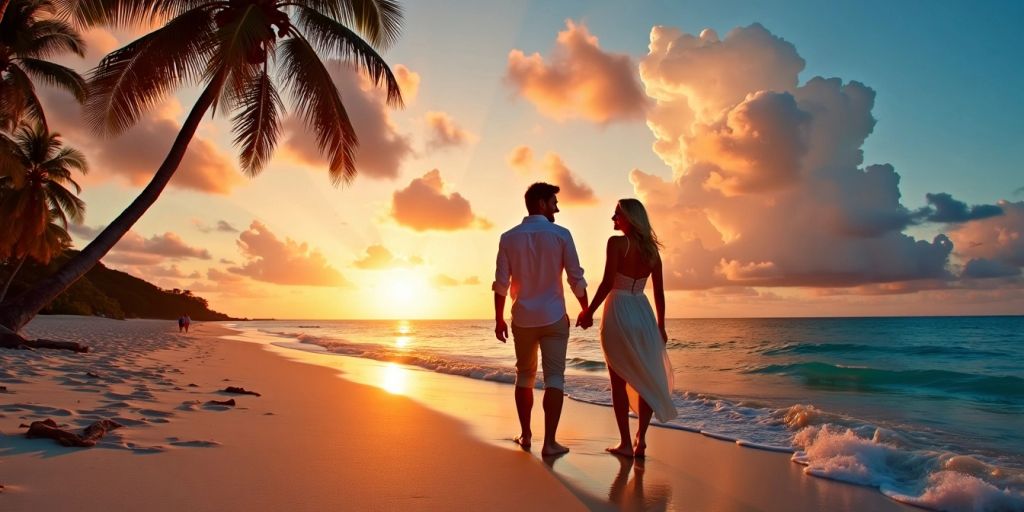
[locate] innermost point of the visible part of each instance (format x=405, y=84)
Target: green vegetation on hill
x=113, y=294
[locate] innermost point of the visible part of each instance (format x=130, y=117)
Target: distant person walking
x=530, y=262
x=184, y=321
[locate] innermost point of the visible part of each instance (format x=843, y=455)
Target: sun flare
x=402, y=293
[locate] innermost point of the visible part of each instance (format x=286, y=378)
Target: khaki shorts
x=553, y=340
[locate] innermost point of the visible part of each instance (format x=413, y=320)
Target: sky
x=856, y=160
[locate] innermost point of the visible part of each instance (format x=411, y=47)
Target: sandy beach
x=380, y=437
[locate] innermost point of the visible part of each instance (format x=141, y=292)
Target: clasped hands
x=585, y=319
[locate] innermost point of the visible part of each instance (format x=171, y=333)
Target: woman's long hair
x=642, y=233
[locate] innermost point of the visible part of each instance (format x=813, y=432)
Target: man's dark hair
x=539, y=191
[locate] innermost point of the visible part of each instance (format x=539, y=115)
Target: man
x=531, y=258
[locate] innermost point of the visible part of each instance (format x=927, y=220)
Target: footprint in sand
x=155, y=413
x=118, y=405
x=39, y=409
x=189, y=405
x=197, y=443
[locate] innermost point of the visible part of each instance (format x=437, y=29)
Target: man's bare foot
x=524, y=441
x=553, y=448
x=623, y=449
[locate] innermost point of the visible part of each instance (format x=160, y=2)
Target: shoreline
x=712, y=473
x=310, y=440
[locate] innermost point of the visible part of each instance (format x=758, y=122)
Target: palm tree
x=239, y=51
x=38, y=206
x=29, y=35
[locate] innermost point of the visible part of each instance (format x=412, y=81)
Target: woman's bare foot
x=553, y=448
x=623, y=449
x=524, y=441
x=640, y=451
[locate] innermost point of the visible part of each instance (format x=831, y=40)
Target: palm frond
x=115, y=13
x=317, y=102
x=135, y=78
x=54, y=74
x=64, y=201
x=380, y=21
x=257, y=125
x=22, y=102
x=69, y=159
x=53, y=37
x=336, y=40
x=243, y=44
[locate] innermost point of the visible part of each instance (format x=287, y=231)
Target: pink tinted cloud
x=424, y=206
x=580, y=80
x=286, y=262
x=408, y=82
x=992, y=247
x=444, y=132
x=135, y=249
x=382, y=148
x=769, y=184
x=520, y=159
x=137, y=153
x=573, y=189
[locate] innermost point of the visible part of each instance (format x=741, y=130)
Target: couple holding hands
x=530, y=262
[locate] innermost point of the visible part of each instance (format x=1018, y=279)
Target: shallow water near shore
x=928, y=410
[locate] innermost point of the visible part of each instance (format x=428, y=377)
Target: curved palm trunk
x=17, y=312
x=7, y=285
x=3, y=7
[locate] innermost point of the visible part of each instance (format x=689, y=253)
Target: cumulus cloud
x=520, y=159
x=769, y=184
x=287, y=262
x=573, y=189
x=443, y=132
x=424, y=206
x=378, y=257
x=382, y=148
x=408, y=82
x=137, y=153
x=994, y=245
x=943, y=208
x=173, y=272
x=580, y=80
x=136, y=250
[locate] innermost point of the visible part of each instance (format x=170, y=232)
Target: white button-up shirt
x=531, y=257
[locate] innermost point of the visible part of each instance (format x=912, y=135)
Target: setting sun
x=402, y=293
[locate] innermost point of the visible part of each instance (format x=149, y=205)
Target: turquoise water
x=929, y=410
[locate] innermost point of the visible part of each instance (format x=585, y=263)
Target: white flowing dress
x=633, y=347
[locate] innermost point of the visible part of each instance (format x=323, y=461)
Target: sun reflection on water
x=394, y=379
x=403, y=341
x=403, y=327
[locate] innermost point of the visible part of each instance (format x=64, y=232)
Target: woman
x=632, y=338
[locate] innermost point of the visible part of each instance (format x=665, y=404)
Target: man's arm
x=574, y=273
x=500, y=327
x=502, y=281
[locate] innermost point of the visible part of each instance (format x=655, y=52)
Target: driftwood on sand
x=10, y=339
x=239, y=391
x=48, y=428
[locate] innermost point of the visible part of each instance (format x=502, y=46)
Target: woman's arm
x=611, y=263
x=659, y=298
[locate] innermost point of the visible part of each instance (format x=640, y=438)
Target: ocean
x=918, y=407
